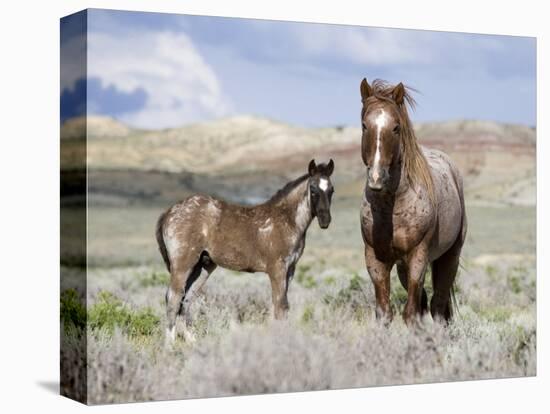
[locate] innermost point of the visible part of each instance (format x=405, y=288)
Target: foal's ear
x=330, y=168
x=312, y=168
x=366, y=90
x=398, y=94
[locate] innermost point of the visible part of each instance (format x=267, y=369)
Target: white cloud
x=365, y=45
x=180, y=85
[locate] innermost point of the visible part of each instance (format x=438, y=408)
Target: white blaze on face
x=380, y=121
x=323, y=184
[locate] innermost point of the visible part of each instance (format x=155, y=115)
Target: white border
x=29, y=217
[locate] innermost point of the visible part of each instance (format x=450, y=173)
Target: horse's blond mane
x=414, y=162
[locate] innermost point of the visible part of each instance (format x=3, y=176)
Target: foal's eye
x=397, y=129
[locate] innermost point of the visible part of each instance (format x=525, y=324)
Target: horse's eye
x=364, y=126
x=397, y=129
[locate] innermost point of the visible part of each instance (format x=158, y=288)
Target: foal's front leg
x=379, y=273
x=279, y=288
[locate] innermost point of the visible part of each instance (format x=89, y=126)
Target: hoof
x=170, y=336
x=189, y=337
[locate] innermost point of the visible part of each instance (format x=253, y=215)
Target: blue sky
x=155, y=70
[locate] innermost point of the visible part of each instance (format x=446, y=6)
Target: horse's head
x=320, y=191
x=381, y=124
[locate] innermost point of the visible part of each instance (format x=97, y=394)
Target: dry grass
x=330, y=340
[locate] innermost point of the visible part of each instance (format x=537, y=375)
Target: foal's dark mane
x=287, y=189
x=415, y=164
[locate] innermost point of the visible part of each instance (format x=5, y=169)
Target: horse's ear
x=366, y=90
x=312, y=168
x=398, y=94
x=330, y=167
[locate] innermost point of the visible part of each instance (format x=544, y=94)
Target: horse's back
x=449, y=197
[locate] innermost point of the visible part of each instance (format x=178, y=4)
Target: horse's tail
x=462, y=235
x=160, y=239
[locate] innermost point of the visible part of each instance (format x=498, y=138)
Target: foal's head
x=382, y=124
x=320, y=191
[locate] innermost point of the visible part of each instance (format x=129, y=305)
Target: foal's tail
x=160, y=239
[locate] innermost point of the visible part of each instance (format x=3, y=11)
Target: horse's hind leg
x=444, y=271
x=402, y=272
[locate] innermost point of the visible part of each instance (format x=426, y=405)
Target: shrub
x=307, y=316
x=73, y=346
x=73, y=312
x=110, y=312
x=331, y=339
x=119, y=371
x=155, y=279
x=304, y=278
x=496, y=314
x=330, y=280
x=308, y=282
x=73, y=363
x=352, y=296
x=398, y=296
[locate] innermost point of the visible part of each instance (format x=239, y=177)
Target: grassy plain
x=330, y=340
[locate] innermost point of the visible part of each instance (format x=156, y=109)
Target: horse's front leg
x=417, y=263
x=379, y=273
x=278, y=276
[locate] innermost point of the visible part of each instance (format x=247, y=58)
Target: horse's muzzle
x=375, y=186
x=376, y=179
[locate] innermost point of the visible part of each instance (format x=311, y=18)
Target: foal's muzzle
x=324, y=219
x=377, y=178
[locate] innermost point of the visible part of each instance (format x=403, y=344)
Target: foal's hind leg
x=444, y=271
x=184, y=271
x=206, y=267
x=402, y=272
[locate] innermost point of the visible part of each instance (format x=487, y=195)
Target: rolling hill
x=250, y=155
